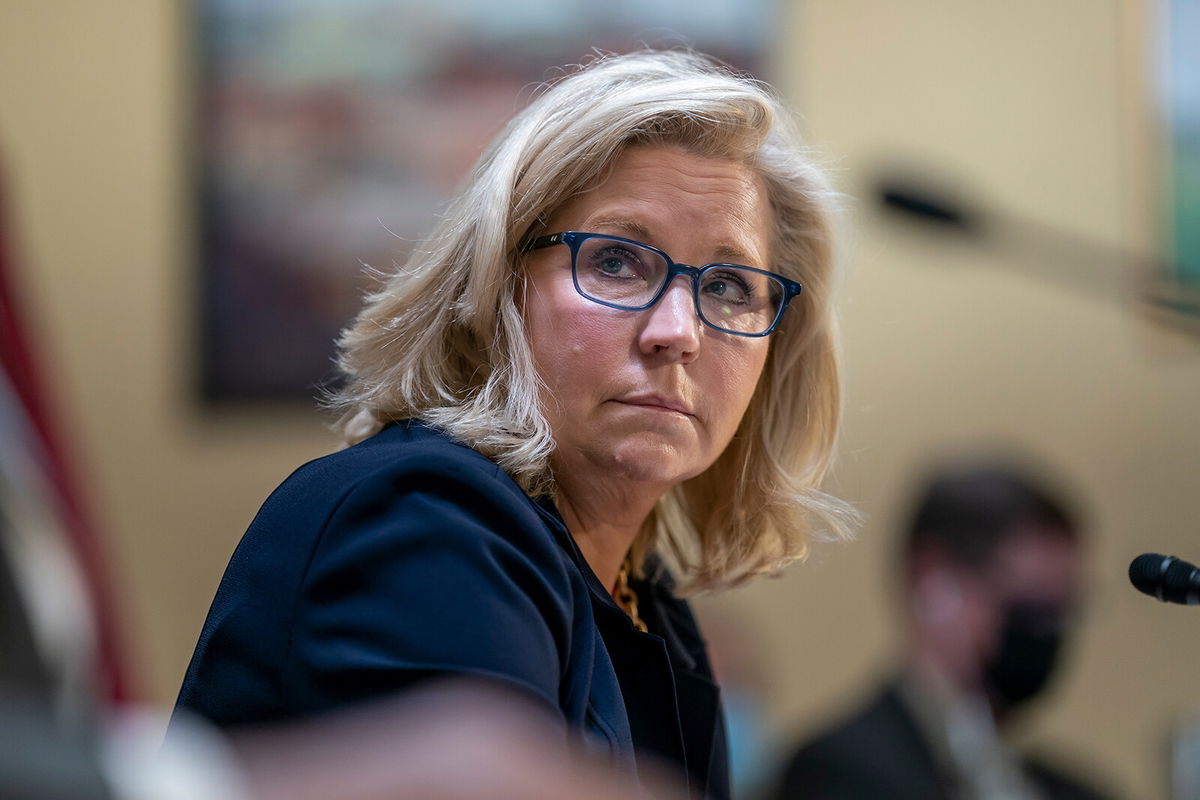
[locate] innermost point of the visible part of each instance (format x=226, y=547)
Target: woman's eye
x=612, y=265
x=728, y=288
x=616, y=263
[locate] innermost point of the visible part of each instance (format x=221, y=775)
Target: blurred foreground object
x=449, y=741
x=991, y=578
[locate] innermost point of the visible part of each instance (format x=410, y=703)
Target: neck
x=950, y=677
x=604, y=525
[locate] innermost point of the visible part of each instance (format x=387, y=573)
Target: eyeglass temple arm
x=540, y=242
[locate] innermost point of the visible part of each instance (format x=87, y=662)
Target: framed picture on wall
x=330, y=134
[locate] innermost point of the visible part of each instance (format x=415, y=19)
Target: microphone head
x=1170, y=579
x=1146, y=573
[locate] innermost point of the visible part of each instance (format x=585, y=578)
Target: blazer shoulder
x=407, y=458
x=407, y=447
x=403, y=557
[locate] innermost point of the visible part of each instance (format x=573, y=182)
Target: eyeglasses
x=622, y=273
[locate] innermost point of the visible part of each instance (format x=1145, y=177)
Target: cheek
x=546, y=318
x=575, y=343
x=729, y=387
x=742, y=372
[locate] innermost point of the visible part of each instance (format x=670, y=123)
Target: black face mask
x=1029, y=645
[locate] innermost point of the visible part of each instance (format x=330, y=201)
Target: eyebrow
x=633, y=229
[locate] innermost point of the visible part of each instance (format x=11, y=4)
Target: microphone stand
x=1050, y=253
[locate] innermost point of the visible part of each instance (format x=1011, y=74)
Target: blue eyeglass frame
x=573, y=240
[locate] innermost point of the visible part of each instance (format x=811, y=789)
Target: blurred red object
x=19, y=363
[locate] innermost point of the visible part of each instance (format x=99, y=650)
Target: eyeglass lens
x=729, y=297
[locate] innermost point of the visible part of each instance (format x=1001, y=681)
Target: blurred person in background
x=992, y=569
x=547, y=405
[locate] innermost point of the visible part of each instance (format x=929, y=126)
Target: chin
x=650, y=459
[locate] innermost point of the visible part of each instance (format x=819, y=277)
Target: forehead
x=670, y=197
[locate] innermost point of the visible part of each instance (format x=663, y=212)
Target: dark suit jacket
x=880, y=752
x=877, y=753
x=409, y=556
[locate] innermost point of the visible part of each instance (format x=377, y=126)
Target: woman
x=544, y=407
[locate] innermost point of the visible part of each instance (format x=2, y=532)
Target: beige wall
x=1035, y=105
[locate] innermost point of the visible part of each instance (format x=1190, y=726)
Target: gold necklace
x=626, y=597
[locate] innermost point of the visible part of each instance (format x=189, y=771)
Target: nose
x=671, y=326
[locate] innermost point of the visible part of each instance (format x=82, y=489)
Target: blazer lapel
x=698, y=697
x=671, y=701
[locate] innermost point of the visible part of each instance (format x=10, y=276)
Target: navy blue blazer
x=409, y=556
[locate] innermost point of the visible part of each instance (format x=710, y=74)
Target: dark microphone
x=1043, y=251
x=918, y=203
x=1170, y=579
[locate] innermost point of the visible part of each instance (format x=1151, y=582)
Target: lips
x=656, y=401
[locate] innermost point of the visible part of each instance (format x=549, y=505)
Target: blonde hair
x=443, y=340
